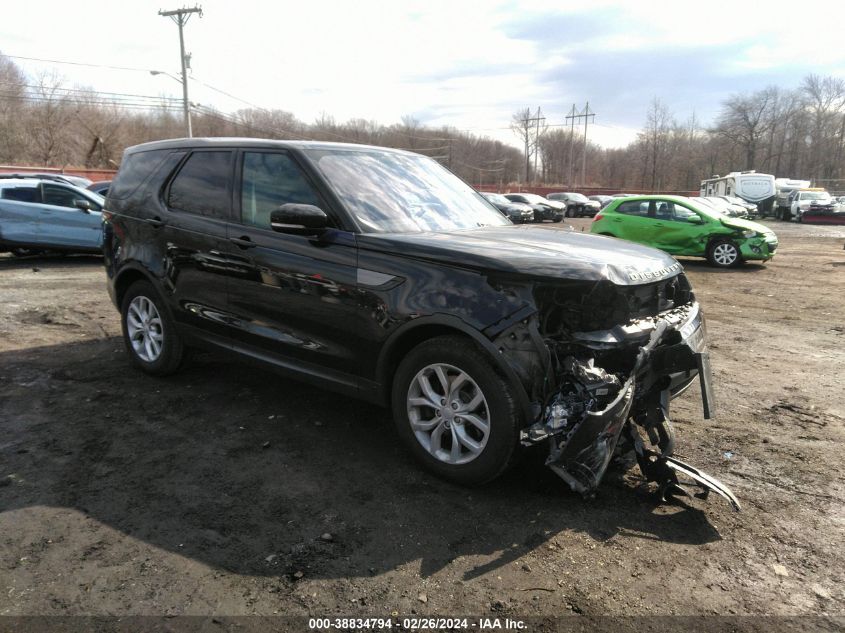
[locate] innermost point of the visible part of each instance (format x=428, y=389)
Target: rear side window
x=134, y=170
x=22, y=194
x=202, y=185
x=634, y=208
x=269, y=181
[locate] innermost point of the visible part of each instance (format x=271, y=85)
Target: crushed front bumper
x=671, y=353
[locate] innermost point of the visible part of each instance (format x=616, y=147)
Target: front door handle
x=243, y=242
x=155, y=222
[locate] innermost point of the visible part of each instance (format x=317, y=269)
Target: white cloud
x=452, y=60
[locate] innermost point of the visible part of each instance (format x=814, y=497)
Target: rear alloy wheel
x=454, y=412
x=148, y=331
x=724, y=254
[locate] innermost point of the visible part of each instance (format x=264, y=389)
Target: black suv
x=380, y=274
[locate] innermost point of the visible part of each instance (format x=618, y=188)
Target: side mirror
x=83, y=205
x=299, y=219
x=695, y=219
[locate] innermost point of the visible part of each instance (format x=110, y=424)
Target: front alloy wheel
x=724, y=254
x=148, y=331
x=145, y=329
x=448, y=414
x=455, y=411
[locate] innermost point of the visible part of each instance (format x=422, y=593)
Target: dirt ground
x=209, y=492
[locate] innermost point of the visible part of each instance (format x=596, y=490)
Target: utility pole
x=181, y=16
x=586, y=114
x=539, y=117
x=526, y=131
x=571, y=118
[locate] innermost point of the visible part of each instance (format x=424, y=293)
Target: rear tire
x=25, y=252
x=149, y=333
x=454, y=412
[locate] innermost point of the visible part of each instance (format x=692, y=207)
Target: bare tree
x=655, y=139
x=744, y=121
x=48, y=124
x=12, y=104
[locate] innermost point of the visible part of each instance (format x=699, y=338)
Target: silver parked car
x=44, y=215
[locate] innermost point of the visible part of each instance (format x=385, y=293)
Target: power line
x=96, y=102
x=58, y=61
x=86, y=93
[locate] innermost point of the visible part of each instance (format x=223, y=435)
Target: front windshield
x=814, y=195
x=533, y=198
x=577, y=197
x=389, y=192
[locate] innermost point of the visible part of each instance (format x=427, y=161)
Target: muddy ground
x=208, y=492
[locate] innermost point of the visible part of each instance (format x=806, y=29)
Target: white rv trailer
x=748, y=185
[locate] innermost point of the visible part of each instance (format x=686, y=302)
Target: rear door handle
x=243, y=242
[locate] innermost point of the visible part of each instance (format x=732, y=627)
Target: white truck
x=752, y=187
x=785, y=188
x=809, y=201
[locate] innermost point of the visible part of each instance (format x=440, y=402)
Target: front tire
x=148, y=331
x=724, y=254
x=455, y=413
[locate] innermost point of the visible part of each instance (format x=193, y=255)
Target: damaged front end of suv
x=601, y=362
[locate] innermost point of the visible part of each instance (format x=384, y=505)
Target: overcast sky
x=465, y=64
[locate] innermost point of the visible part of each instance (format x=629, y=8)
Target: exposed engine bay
x=603, y=394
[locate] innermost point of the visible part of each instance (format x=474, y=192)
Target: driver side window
x=59, y=196
x=269, y=181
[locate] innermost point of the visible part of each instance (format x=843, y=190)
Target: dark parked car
x=380, y=274
x=544, y=209
x=47, y=215
x=514, y=211
x=602, y=200
x=101, y=187
x=577, y=204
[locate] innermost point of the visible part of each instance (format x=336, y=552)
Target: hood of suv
x=531, y=252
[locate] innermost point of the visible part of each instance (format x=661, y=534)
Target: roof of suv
x=33, y=182
x=192, y=143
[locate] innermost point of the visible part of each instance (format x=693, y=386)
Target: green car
x=681, y=226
